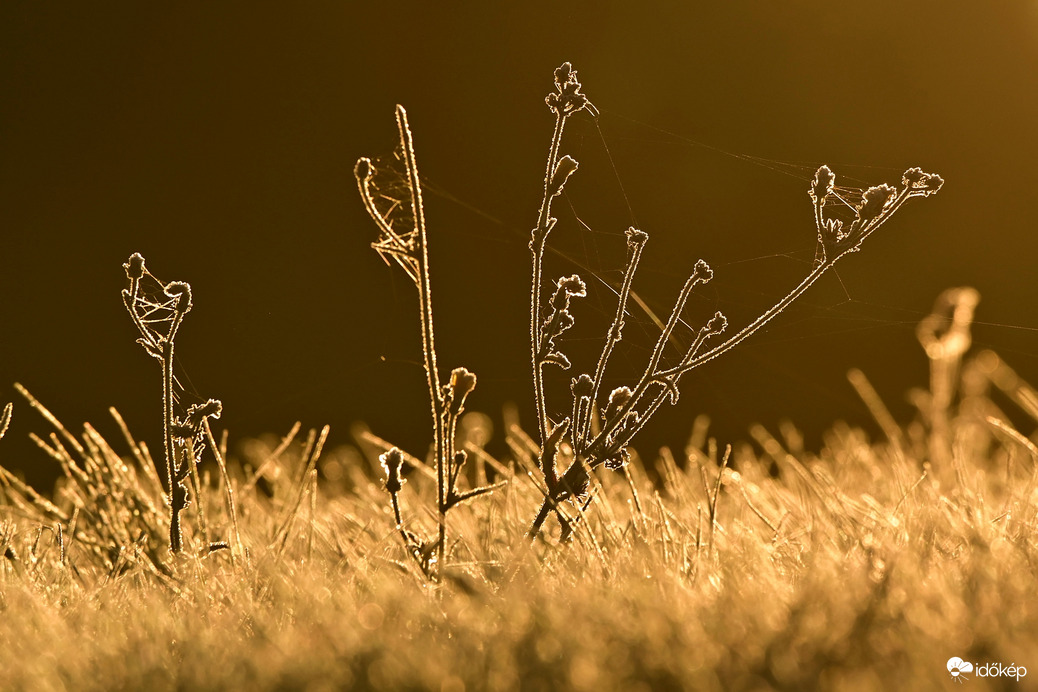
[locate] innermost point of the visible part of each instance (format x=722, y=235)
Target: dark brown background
x=220, y=142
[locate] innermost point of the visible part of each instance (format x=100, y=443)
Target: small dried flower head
x=874, y=201
x=832, y=230
x=181, y=293
x=364, y=170
x=717, y=324
x=702, y=272
x=618, y=460
x=573, y=285
x=582, y=386
x=392, y=461
x=822, y=185
x=912, y=177
x=921, y=183
x=199, y=412
x=134, y=266
x=563, y=74
x=567, y=98
x=460, y=458
x=563, y=170
x=462, y=382
x=570, y=286
x=636, y=238
x=618, y=398
x=932, y=184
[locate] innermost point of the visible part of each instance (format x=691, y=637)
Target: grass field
x=865, y=566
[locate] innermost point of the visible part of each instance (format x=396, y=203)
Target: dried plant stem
x=182, y=435
x=176, y=502
x=545, y=223
x=428, y=338
x=613, y=337
x=816, y=273
x=410, y=250
x=199, y=499
x=395, y=502
x=218, y=452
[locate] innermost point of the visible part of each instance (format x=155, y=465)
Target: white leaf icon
x=956, y=666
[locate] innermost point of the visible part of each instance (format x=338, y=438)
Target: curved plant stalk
x=627, y=410
x=410, y=250
x=158, y=319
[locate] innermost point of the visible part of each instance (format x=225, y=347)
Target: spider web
x=153, y=306
x=745, y=299
x=391, y=192
x=843, y=311
x=157, y=311
x=596, y=250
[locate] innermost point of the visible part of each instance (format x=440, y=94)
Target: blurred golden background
x=219, y=142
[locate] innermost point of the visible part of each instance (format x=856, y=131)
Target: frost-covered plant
x=157, y=310
x=597, y=433
x=393, y=198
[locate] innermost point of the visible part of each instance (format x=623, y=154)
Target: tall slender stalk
x=566, y=101
x=428, y=336
x=540, y=235
x=410, y=250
